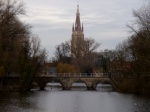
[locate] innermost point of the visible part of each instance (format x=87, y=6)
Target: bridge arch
x=34, y=86
x=53, y=85
x=79, y=84
x=105, y=82
x=103, y=86
x=89, y=84
x=66, y=82
x=43, y=81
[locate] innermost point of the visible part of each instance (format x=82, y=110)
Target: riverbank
x=134, y=86
x=10, y=89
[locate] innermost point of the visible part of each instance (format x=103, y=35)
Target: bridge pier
x=66, y=88
x=90, y=86
x=66, y=84
x=42, y=85
x=42, y=88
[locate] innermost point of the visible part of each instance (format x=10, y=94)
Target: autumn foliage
x=65, y=68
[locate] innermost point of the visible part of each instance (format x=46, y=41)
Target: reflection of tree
x=27, y=102
x=19, y=102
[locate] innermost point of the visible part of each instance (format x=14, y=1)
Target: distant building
x=77, y=36
x=50, y=69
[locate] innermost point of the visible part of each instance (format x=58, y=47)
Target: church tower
x=77, y=36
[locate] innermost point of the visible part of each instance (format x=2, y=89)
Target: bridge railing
x=84, y=75
x=77, y=75
x=92, y=75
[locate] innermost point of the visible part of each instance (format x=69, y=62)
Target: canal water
x=53, y=99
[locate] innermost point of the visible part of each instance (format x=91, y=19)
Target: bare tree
x=135, y=48
x=32, y=61
x=12, y=32
x=20, y=52
x=83, y=54
x=141, y=22
x=76, y=47
x=87, y=62
x=62, y=53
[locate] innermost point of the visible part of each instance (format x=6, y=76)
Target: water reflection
x=104, y=87
x=75, y=86
x=79, y=86
x=17, y=102
x=53, y=86
x=73, y=101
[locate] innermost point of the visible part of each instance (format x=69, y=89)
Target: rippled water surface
x=53, y=100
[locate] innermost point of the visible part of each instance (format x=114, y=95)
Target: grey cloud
x=105, y=21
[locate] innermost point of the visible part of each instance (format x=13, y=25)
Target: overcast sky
x=103, y=20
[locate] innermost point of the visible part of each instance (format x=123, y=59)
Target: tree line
x=130, y=58
x=81, y=58
x=131, y=55
x=20, y=51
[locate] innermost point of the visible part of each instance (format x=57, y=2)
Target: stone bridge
x=66, y=80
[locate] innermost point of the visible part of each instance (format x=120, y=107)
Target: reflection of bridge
x=67, y=79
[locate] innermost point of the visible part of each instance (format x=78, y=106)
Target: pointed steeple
x=82, y=27
x=77, y=35
x=73, y=27
x=77, y=8
x=77, y=22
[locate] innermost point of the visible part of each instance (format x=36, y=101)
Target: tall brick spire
x=77, y=22
x=77, y=36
